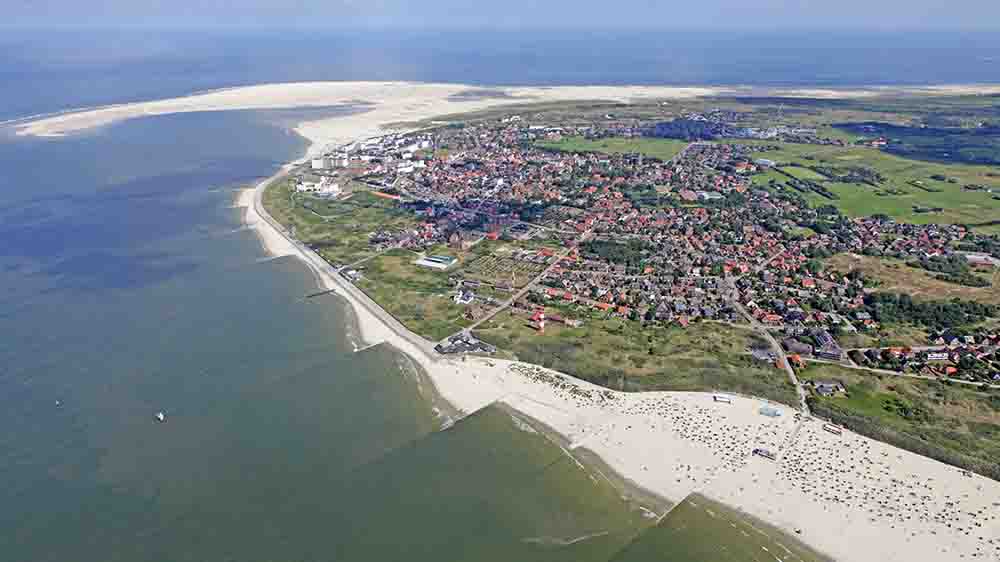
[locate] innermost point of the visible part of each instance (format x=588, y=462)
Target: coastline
x=669, y=445
x=849, y=497
x=402, y=102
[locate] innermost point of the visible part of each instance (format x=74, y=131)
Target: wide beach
x=850, y=497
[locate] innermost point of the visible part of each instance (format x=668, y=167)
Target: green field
x=702, y=530
x=955, y=423
x=337, y=229
x=664, y=149
x=897, y=195
x=624, y=354
x=419, y=297
x=803, y=173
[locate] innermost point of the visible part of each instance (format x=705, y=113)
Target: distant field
x=664, y=149
x=969, y=144
x=625, y=355
x=895, y=276
x=897, y=195
x=951, y=422
x=803, y=173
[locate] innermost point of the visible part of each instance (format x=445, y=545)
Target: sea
x=131, y=287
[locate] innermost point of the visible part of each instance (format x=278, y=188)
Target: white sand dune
x=848, y=496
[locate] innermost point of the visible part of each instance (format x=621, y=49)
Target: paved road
x=779, y=351
x=895, y=373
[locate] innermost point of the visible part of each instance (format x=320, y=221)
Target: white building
x=324, y=188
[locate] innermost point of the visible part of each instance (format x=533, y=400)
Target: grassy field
x=338, y=229
x=419, y=297
x=623, y=354
x=954, y=423
x=897, y=195
x=887, y=335
x=699, y=529
x=894, y=276
x=664, y=149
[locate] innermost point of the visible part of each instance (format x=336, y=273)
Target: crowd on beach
x=817, y=477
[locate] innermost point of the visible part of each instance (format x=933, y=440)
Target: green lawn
x=803, y=173
x=664, y=149
x=623, y=354
x=958, y=424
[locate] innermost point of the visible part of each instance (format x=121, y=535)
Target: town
x=711, y=247
x=523, y=236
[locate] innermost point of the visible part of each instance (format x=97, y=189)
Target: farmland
x=910, y=191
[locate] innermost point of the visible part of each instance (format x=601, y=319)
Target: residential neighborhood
x=560, y=235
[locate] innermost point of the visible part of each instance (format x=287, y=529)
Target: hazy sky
x=507, y=14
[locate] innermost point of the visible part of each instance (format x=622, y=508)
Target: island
x=776, y=255
x=777, y=311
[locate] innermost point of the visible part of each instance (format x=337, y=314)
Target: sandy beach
x=396, y=102
x=850, y=497
x=388, y=102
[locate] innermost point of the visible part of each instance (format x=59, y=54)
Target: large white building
x=326, y=187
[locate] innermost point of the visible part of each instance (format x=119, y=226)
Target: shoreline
x=402, y=102
x=669, y=445
x=890, y=504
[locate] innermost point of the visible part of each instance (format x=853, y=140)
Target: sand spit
x=394, y=102
x=389, y=102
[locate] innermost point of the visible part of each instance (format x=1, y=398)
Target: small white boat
x=161, y=417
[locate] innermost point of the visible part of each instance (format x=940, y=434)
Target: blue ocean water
x=130, y=287
x=46, y=70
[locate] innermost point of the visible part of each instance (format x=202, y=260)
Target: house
x=828, y=388
x=832, y=353
x=795, y=346
x=763, y=354
x=824, y=338
x=688, y=195
x=437, y=262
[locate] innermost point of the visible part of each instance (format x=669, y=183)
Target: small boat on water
x=160, y=417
